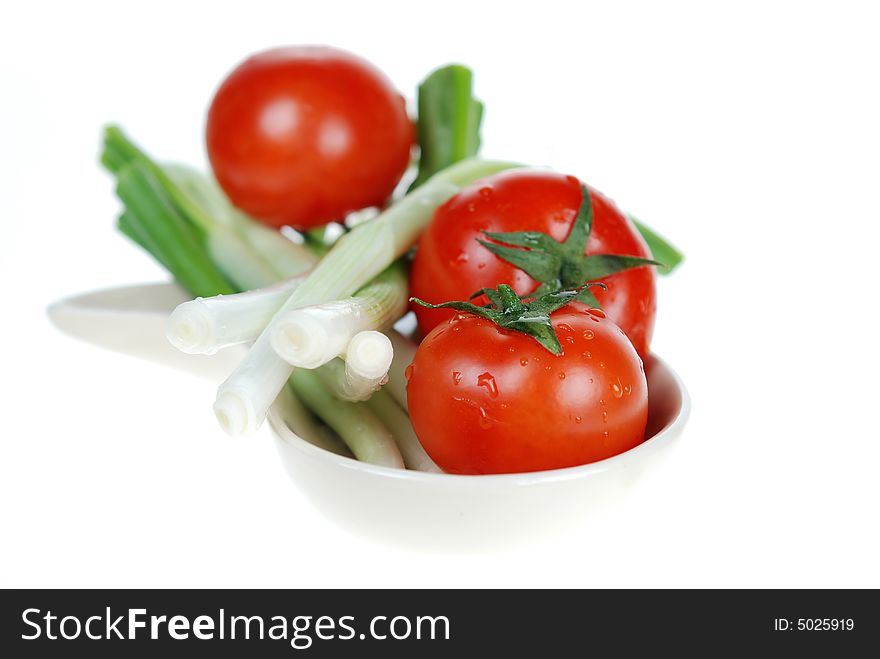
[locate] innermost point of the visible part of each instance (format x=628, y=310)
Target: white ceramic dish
x=446, y=511
x=437, y=511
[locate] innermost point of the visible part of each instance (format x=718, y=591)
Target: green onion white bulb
x=205, y=325
x=311, y=336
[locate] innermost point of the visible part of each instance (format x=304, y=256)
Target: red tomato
x=485, y=400
x=451, y=265
x=303, y=135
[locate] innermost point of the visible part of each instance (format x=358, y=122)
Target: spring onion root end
x=233, y=414
x=369, y=355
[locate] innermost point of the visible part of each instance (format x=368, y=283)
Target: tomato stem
x=561, y=265
x=508, y=310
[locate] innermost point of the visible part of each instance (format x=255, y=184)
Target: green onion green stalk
x=363, y=431
x=295, y=414
x=449, y=120
x=396, y=420
x=182, y=219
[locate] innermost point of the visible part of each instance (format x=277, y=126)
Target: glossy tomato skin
x=484, y=400
x=451, y=265
x=303, y=135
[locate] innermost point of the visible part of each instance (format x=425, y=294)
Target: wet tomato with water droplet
x=451, y=265
x=303, y=135
x=480, y=408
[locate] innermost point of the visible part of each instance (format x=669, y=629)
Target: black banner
x=338, y=623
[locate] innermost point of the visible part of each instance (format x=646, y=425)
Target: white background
x=746, y=131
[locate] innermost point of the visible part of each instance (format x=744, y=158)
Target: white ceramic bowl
x=461, y=513
x=439, y=511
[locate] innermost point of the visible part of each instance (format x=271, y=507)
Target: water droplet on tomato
x=627, y=389
x=605, y=440
x=471, y=208
x=483, y=417
x=604, y=416
x=523, y=361
x=577, y=419
x=456, y=377
x=598, y=313
x=456, y=328
x=485, y=192
x=601, y=364
x=463, y=257
x=587, y=354
x=616, y=389
x=548, y=367
x=484, y=420
x=591, y=380
x=565, y=327
x=480, y=266
x=488, y=380
x=408, y=373
x=511, y=349
x=562, y=376
x=589, y=334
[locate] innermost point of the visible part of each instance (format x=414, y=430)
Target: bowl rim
x=285, y=435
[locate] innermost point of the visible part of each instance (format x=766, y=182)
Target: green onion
x=193, y=228
x=260, y=248
x=131, y=227
x=312, y=335
x=205, y=325
x=367, y=360
x=661, y=249
x=448, y=123
x=297, y=417
x=364, y=370
x=357, y=257
x=396, y=420
x=386, y=409
x=151, y=215
x=359, y=427
x=173, y=213
x=237, y=260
